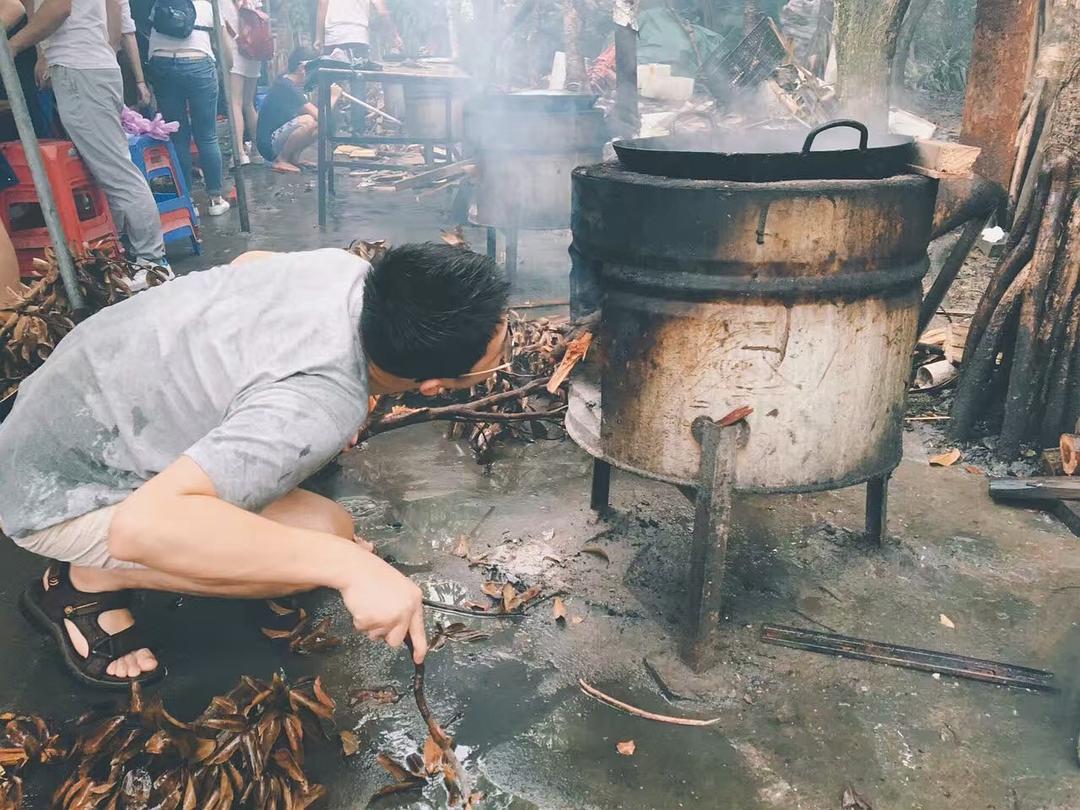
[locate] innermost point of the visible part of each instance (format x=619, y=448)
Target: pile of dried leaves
x=32, y=325
x=245, y=750
x=25, y=739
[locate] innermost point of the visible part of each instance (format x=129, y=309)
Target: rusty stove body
x=796, y=298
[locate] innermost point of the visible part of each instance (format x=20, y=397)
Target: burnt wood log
x=950, y=268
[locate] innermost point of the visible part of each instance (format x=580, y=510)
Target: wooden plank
x=949, y=159
x=1044, y=488
x=441, y=173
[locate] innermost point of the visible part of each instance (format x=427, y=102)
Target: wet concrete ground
x=795, y=727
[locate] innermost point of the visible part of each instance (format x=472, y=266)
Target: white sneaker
x=139, y=281
x=217, y=206
x=244, y=160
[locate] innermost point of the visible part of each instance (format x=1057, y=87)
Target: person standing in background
x=343, y=31
x=78, y=57
x=244, y=79
x=129, y=46
x=185, y=79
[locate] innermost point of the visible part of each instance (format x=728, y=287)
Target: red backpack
x=255, y=39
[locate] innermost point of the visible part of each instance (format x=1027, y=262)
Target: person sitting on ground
x=288, y=122
x=162, y=444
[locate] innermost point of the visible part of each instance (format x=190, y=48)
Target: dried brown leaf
x=558, y=609
x=946, y=459
x=596, y=551
x=577, y=620
x=492, y=589
x=393, y=767
x=626, y=748
x=350, y=743
x=461, y=547
x=433, y=755
x=278, y=608
x=383, y=695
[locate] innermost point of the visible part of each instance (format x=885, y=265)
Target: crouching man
x=161, y=445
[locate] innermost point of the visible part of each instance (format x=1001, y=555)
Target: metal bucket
x=799, y=299
x=425, y=110
x=527, y=145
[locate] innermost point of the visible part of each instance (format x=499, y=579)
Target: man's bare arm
x=43, y=22
x=175, y=523
x=320, y=25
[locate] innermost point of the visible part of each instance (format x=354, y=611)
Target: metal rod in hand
x=10, y=76
x=241, y=192
x=370, y=108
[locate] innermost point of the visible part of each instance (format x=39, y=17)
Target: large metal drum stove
x=526, y=145
x=796, y=298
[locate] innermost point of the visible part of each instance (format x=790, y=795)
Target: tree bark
x=575, y=61
x=903, y=44
x=997, y=78
x=866, y=36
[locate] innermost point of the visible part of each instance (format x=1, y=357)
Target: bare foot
x=112, y=622
x=285, y=167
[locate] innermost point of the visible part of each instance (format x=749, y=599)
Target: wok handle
x=864, y=134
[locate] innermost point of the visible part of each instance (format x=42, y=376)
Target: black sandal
x=49, y=608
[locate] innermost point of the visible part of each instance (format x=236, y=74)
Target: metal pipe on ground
x=241, y=191
x=23, y=124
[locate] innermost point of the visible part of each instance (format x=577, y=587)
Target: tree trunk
x=575, y=61
x=1041, y=357
x=866, y=35
x=997, y=77
x=903, y=43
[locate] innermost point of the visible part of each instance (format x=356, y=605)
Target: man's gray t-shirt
x=256, y=372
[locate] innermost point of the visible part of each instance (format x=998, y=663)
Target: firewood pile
x=1022, y=355
x=246, y=749
x=32, y=325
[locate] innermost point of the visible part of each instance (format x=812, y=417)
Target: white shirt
x=82, y=40
x=127, y=24
x=200, y=41
x=347, y=23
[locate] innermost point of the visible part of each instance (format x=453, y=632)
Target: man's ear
x=430, y=388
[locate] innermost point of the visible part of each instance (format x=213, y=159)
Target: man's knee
x=306, y=510
x=307, y=123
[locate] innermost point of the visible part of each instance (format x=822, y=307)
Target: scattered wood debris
x=626, y=748
x=382, y=695
x=593, y=692
x=457, y=631
x=946, y=459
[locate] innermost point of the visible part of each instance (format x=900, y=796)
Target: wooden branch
x=593, y=692
x=979, y=362
x=1024, y=384
x=465, y=411
x=1004, y=274
x=950, y=268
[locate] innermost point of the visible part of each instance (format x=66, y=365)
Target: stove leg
x=601, y=486
x=492, y=244
x=700, y=646
x=511, y=253
x=877, y=501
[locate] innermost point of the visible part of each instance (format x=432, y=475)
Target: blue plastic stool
x=164, y=163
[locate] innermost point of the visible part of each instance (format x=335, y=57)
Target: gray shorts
x=282, y=133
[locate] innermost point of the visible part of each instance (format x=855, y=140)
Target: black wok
x=770, y=155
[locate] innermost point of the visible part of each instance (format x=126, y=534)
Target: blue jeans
x=187, y=92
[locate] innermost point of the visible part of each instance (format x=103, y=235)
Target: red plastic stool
x=82, y=207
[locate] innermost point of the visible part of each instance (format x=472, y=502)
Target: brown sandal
x=49, y=608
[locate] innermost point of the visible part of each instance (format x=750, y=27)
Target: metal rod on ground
x=880, y=652
x=10, y=76
x=241, y=192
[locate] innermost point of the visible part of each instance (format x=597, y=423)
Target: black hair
x=299, y=56
x=430, y=310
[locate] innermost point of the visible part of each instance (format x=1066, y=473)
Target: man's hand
x=41, y=73
x=386, y=605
